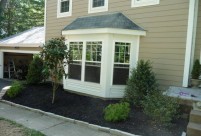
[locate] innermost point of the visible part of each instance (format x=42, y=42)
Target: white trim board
x=104, y=31
x=190, y=44
x=137, y=3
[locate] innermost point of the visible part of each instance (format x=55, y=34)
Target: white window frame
x=113, y=57
x=64, y=14
x=92, y=9
x=83, y=61
x=135, y=3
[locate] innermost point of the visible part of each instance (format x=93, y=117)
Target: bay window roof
x=114, y=20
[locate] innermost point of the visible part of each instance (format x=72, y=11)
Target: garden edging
x=78, y=122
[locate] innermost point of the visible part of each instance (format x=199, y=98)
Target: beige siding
x=166, y=26
x=198, y=34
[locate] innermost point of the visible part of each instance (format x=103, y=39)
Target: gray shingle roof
x=115, y=20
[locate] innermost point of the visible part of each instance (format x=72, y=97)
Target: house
x=108, y=37
x=16, y=51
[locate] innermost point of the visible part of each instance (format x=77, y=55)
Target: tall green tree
x=56, y=57
x=19, y=15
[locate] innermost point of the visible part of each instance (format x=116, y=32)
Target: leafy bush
x=196, y=69
x=15, y=89
x=117, y=112
x=141, y=82
x=160, y=107
x=35, y=75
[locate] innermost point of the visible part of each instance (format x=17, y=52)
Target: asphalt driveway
x=4, y=83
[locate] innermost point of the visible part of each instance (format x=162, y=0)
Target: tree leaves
x=20, y=15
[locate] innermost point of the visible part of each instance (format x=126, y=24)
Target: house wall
x=198, y=35
x=166, y=26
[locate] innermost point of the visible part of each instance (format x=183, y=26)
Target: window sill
x=67, y=14
x=99, y=9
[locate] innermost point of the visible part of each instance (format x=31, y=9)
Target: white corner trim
x=97, y=9
x=135, y=3
x=190, y=44
x=65, y=14
x=45, y=19
x=104, y=31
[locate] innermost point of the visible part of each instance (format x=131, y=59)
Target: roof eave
x=21, y=45
x=105, y=31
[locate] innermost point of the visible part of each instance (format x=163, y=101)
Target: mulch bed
x=91, y=110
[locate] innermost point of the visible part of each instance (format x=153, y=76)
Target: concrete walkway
x=49, y=126
x=4, y=83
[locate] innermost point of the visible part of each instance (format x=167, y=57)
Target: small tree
x=141, y=82
x=35, y=75
x=196, y=69
x=56, y=57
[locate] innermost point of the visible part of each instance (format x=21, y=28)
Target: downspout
x=190, y=41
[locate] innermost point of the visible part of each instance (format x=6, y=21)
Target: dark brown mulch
x=91, y=110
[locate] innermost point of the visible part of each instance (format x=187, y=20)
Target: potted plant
x=195, y=82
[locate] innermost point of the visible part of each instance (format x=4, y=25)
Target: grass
x=26, y=131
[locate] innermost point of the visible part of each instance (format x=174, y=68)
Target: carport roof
x=33, y=37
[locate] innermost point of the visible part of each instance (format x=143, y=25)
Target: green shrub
x=141, y=82
x=160, y=107
x=117, y=112
x=15, y=89
x=35, y=75
x=196, y=69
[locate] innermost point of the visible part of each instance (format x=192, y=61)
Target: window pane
x=93, y=61
x=121, y=63
x=92, y=72
x=98, y=3
x=64, y=6
x=74, y=69
x=120, y=75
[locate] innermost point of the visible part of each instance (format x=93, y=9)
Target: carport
x=16, y=52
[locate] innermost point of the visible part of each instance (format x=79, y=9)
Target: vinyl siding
x=166, y=26
x=198, y=34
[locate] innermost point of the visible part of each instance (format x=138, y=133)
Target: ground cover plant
x=91, y=110
x=117, y=112
x=161, y=108
x=15, y=89
x=10, y=128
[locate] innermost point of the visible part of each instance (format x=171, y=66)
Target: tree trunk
x=54, y=91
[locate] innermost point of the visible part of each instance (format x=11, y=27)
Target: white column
x=189, y=41
x=1, y=64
